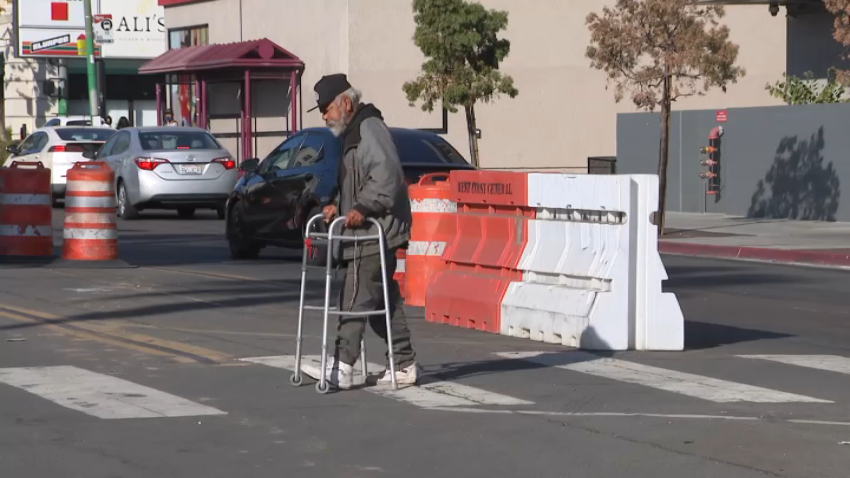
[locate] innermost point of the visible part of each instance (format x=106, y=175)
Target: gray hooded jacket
x=372, y=182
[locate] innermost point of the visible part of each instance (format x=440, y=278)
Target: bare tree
x=659, y=51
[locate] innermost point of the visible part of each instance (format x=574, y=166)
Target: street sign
x=104, y=30
x=720, y=116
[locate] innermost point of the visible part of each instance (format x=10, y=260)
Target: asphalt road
x=178, y=367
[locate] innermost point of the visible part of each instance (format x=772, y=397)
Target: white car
x=74, y=121
x=58, y=148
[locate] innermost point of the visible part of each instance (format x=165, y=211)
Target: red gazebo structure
x=241, y=63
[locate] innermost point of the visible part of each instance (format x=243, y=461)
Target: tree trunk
x=664, y=151
x=473, y=137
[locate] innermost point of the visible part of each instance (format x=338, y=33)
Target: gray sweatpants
x=362, y=291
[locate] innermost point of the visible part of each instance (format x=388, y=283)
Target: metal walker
x=322, y=385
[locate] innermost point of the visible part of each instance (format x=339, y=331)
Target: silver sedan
x=169, y=168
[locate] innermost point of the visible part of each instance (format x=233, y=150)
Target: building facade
x=563, y=113
x=38, y=88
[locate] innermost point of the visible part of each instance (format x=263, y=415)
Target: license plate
x=191, y=169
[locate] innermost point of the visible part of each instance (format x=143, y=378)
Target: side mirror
x=90, y=154
x=250, y=165
x=12, y=149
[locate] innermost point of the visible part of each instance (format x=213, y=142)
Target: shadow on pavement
x=705, y=277
x=233, y=295
x=679, y=270
x=703, y=335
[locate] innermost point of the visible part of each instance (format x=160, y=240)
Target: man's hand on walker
x=354, y=218
x=329, y=212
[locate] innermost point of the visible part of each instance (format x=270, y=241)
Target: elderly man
x=370, y=185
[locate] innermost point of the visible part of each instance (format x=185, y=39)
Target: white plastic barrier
x=591, y=270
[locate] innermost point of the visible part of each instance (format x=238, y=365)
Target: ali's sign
x=136, y=29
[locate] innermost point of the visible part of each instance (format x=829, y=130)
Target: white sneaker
x=405, y=376
x=338, y=374
x=341, y=375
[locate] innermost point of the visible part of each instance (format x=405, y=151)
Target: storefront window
x=182, y=98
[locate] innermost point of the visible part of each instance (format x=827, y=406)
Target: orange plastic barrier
x=482, y=260
x=90, y=231
x=432, y=230
x=26, y=210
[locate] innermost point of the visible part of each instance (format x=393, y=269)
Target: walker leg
x=322, y=385
x=363, y=364
x=296, y=378
x=390, y=344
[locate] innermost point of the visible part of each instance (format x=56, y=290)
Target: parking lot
x=195, y=351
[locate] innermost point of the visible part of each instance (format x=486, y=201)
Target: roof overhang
x=249, y=55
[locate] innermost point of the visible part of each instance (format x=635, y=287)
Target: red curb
x=755, y=253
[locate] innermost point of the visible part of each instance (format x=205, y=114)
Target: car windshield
x=419, y=149
x=85, y=134
x=176, y=140
x=79, y=123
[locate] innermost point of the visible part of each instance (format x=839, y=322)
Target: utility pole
x=90, y=69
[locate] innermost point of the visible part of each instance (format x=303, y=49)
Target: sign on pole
x=103, y=29
x=131, y=29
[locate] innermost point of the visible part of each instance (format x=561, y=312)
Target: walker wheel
x=295, y=380
x=322, y=390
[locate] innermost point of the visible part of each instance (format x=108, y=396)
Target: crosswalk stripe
x=830, y=363
x=430, y=393
x=473, y=394
x=100, y=395
x=697, y=386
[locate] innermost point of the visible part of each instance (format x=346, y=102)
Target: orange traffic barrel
x=432, y=229
x=400, y=266
x=26, y=211
x=90, y=230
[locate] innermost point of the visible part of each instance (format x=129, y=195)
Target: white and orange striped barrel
x=400, y=268
x=26, y=211
x=433, y=228
x=90, y=221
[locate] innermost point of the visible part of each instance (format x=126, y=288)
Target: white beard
x=338, y=127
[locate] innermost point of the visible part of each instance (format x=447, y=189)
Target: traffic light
x=712, y=175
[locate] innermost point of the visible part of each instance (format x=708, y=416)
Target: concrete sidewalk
x=768, y=240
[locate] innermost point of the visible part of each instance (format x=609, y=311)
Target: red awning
x=252, y=54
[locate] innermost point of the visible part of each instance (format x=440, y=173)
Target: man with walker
x=370, y=185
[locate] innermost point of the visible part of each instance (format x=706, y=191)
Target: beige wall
x=24, y=103
x=563, y=113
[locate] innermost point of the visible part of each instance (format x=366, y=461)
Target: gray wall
x=776, y=162
x=811, y=46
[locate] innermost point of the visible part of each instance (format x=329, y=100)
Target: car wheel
x=240, y=246
x=186, y=212
x=125, y=208
x=317, y=254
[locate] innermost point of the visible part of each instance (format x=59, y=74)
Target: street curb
x=761, y=254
